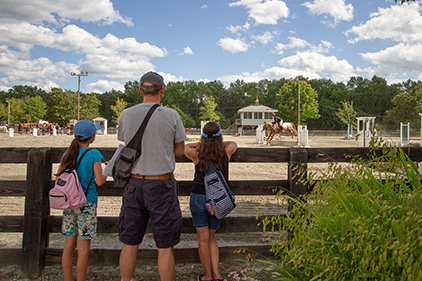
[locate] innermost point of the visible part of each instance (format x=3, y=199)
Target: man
x=152, y=191
x=277, y=120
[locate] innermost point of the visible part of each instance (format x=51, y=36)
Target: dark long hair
x=211, y=149
x=70, y=157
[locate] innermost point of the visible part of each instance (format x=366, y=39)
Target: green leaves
x=358, y=223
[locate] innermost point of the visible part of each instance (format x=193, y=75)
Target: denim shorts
x=81, y=221
x=150, y=199
x=200, y=215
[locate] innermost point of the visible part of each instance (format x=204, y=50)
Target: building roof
x=257, y=108
x=99, y=119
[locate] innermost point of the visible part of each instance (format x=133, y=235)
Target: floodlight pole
x=82, y=73
x=8, y=113
x=298, y=100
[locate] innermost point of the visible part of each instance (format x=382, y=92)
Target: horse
x=289, y=128
x=23, y=126
x=270, y=131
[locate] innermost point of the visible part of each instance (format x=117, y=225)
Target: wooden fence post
x=297, y=173
x=34, y=241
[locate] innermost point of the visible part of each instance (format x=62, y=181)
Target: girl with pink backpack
x=81, y=222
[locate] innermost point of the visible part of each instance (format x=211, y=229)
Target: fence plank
x=228, y=225
x=12, y=188
x=10, y=256
x=241, y=187
x=11, y=223
x=107, y=257
x=34, y=239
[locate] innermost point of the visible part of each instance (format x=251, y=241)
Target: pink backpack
x=67, y=192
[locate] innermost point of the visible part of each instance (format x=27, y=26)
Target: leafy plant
x=361, y=222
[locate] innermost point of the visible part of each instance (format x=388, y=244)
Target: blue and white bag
x=220, y=199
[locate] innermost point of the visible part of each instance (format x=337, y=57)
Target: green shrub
x=362, y=221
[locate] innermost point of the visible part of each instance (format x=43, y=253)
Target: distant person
x=277, y=121
x=211, y=149
x=82, y=222
x=152, y=191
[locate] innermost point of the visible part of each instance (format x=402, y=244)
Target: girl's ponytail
x=70, y=157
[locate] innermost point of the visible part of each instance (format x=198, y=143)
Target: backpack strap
x=79, y=162
x=82, y=156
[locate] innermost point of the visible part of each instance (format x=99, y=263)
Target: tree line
x=322, y=101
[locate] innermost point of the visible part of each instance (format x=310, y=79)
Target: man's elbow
x=178, y=153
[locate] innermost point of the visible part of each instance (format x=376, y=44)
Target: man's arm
x=179, y=148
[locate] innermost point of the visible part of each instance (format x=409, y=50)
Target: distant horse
x=270, y=131
x=23, y=126
x=289, y=128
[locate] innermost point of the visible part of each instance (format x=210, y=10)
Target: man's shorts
x=151, y=199
x=81, y=221
x=200, y=215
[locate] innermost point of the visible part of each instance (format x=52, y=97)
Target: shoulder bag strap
x=79, y=162
x=136, y=141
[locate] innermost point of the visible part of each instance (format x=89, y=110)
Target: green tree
x=287, y=102
x=17, y=110
x=131, y=94
x=406, y=107
x=89, y=106
x=35, y=108
x=63, y=106
x=3, y=111
x=347, y=114
x=207, y=111
x=108, y=99
x=117, y=109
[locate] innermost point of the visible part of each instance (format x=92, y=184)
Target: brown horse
x=289, y=128
x=270, y=131
x=23, y=126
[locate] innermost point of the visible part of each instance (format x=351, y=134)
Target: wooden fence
x=37, y=223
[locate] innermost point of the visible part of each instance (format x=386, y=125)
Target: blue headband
x=211, y=135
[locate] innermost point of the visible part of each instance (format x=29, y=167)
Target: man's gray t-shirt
x=163, y=130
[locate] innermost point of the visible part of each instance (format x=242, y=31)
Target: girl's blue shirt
x=85, y=171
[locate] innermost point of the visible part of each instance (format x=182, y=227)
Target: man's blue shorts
x=151, y=199
x=200, y=215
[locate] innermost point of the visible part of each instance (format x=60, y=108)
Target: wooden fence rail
x=37, y=223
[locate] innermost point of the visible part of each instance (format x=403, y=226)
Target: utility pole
x=83, y=73
x=298, y=100
x=8, y=112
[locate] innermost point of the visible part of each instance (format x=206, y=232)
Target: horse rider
x=277, y=120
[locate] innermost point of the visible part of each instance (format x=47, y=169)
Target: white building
x=255, y=115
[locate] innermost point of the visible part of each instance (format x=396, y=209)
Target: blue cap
x=84, y=129
x=98, y=126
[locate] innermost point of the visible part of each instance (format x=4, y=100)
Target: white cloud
x=186, y=51
x=264, y=12
x=401, y=57
x=312, y=62
x=237, y=28
x=298, y=43
x=204, y=6
x=402, y=23
x=102, y=86
x=265, y=38
x=111, y=57
x=39, y=72
x=335, y=8
x=233, y=45
x=59, y=11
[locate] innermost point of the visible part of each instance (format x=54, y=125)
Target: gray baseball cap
x=154, y=78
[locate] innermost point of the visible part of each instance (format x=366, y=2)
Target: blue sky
x=204, y=40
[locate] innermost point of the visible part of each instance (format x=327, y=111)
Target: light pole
x=8, y=113
x=298, y=100
x=82, y=73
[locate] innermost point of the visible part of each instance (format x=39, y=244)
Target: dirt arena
x=110, y=206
